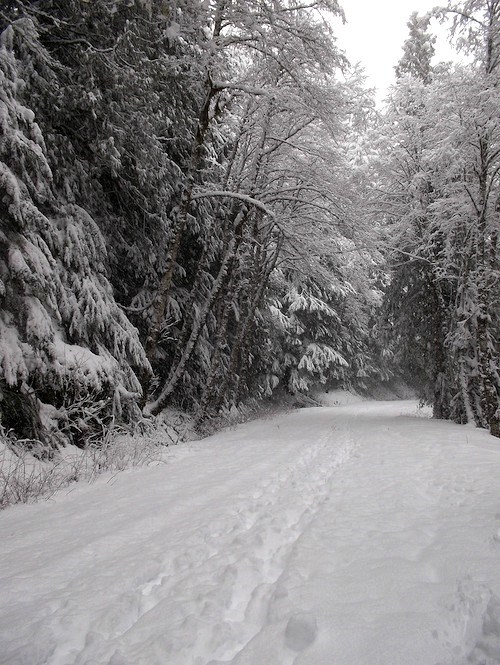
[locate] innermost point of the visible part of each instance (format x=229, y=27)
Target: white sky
x=375, y=32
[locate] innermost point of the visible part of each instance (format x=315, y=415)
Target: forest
x=202, y=208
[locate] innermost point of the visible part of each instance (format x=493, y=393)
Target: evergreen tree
x=63, y=335
x=418, y=50
x=443, y=298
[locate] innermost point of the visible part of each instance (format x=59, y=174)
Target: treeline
x=183, y=216
x=440, y=190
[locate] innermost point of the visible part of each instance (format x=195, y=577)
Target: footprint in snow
x=301, y=631
x=118, y=659
x=487, y=648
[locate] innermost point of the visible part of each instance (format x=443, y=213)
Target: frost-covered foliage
x=325, y=332
x=62, y=333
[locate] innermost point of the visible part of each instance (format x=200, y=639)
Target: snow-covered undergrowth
x=30, y=471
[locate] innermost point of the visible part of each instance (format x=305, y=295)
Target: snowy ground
x=352, y=535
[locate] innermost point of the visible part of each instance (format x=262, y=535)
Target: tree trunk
x=162, y=294
x=198, y=324
x=254, y=302
x=214, y=375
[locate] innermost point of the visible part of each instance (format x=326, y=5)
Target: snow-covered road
x=338, y=536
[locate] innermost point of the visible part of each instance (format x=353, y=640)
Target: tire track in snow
x=216, y=592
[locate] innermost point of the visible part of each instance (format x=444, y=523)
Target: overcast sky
x=375, y=32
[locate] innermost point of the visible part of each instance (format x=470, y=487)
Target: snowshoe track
x=244, y=552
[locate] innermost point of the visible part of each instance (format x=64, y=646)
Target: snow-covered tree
x=442, y=197
x=192, y=166
x=294, y=39
x=418, y=50
x=63, y=335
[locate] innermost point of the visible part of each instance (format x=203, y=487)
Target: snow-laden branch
x=277, y=194
x=296, y=146
x=240, y=87
x=304, y=202
x=462, y=14
x=235, y=195
x=416, y=257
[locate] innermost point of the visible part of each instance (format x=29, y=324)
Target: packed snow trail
x=336, y=536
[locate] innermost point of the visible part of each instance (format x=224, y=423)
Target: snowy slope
x=335, y=536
